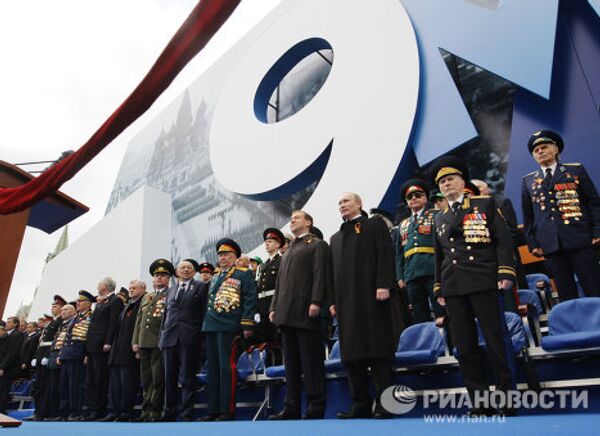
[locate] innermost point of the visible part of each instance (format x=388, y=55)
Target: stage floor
x=550, y=424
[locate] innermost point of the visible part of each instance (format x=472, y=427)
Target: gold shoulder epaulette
x=530, y=174
x=479, y=196
x=573, y=164
x=240, y=268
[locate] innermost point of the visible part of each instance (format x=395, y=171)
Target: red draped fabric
x=204, y=21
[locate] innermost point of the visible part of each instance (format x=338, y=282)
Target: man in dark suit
x=9, y=359
x=561, y=213
x=31, y=340
x=362, y=261
x=181, y=339
x=124, y=363
x=473, y=260
x=103, y=327
x=300, y=292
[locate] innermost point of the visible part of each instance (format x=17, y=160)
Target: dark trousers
x=70, y=387
x=304, y=354
x=39, y=384
x=462, y=311
x=180, y=365
x=50, y=400
x=221, y=352
x=153, y=381
x=420, y=293
x=124, y=384
x=358, y=381
x=584, y=263
x=96, y=383
x=5, y=383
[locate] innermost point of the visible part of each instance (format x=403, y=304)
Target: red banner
x=204, y=21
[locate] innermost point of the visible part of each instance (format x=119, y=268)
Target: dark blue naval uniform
x=561, y=217
x=231, y=308
x=415, y=263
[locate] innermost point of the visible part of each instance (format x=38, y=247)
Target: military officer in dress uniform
x=561, y=213
x=414, y=253
x=206, y=271
x=267, y=275
x=41, y=383
x=145, y=339
x=473, y=260
x=71, y=357
x=231, y=309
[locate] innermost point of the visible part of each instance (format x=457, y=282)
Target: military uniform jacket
x=301, y=281
x=566, y=216
x=182, y=321
x=74, y=347
x=414, y=249
x=268, y=274
x=121, y=352
x=47, y=338
x=231, y=301
x=149, y=317
x=9, y=353
x=104, y=323
x=473, y=249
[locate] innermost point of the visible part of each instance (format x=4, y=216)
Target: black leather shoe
x=507, y=411
x=382, y=414
x=167, y=418
x=209, y=418
x=226, y=417
x=108, y=418
x=311, y=414
x=74, y=418
x=355, y=414
x=186, y=418
x=123, y=418
x=284, y=415
x=54, y=419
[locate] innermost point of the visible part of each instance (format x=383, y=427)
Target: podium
x=48, y=215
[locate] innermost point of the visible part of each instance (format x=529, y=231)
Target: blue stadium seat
x=250, y=364
x=515, y=329
x=21, y=388
x=419, y=344
x=334, y=363
x=545, y=295
x=573, y=324
x=531, y=298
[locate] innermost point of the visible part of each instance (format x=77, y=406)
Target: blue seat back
x=532, y=279
x=252, y=363
x=514, y=324
x=579, y=315
x=423, y=336
x=531, y=298
x=335, y=351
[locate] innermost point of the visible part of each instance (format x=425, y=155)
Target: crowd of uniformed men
x=457, y=261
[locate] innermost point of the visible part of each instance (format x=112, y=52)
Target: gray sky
x=66, y=66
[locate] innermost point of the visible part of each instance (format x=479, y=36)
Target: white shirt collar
x=459, y=201
x=552, y=167
x=302, y=235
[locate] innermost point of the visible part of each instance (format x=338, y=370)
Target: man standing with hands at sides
x=561, y=213
x=414, y=253
x=103, y=327
x=231, y=309
x=181, y=339
x=363, y=273
x=145, y=340
x=300, y=292
x=9, y=360
x=473, y=260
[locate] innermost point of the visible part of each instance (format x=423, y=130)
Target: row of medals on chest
x=564, y=195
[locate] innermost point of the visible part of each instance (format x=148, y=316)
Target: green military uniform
x=415, y=263
x=145, y=335
x=231, y=308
